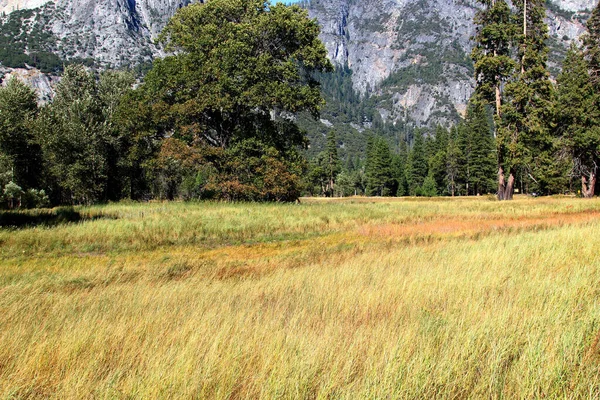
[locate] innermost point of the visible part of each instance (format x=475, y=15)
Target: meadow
x=347, y=299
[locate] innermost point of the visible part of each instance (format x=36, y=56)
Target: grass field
x=353, y=298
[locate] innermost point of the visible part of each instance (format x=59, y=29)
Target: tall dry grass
x=464, y=298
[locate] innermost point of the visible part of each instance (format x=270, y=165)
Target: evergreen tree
x=359, y=179
x=429, y=188
x=585, y=142
x=399, y=170
x=523, y=140
x=437, y=159
x=344, y=185
x=492, y=50
x=465, y=144
x=416, y=167
x=578, y=119
x=478, y=150
x=332, y=160
x=317, y=175
x=591, y=46
x=324, y=169
x=454, y=157
x=378, y=168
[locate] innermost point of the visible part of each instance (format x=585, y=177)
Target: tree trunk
x=501, y=186
x=497, y=89
x=588, y=186
x=506, y=188
x=524, y=35
x=498, y=102
x=510, y=186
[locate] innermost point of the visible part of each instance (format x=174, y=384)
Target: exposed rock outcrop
x=416, y=52
x=411, y=55
x=42, y=84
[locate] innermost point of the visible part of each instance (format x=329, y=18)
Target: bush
x=249, y=170
x=12, y=194
x=34, y=198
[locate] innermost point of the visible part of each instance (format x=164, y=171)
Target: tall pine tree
x=523, y=139
x=491, y=52
x=416, y=168
x=437, y=159
x=478, y=151
x=493, y=65
x=577, y=120
x=585, y=144
x=378, y=169
x=591, y=43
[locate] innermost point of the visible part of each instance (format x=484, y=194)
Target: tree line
x=216, y=119
x=446, y=162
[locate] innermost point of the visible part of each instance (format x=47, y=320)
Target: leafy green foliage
x=235, y=64
x=18, y=148
x=82, y=142
x=219, y=117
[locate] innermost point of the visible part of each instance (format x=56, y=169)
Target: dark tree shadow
x=47, y=217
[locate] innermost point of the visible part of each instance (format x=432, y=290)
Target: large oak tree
x=238, y=69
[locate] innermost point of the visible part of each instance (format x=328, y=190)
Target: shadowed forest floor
x=343, y=298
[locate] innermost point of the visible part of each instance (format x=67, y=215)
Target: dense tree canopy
x=239, y=69
x=83, y=144
x=18, y=110
x=510, y=57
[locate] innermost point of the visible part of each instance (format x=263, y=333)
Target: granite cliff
x=413, y=55
x=410, y=58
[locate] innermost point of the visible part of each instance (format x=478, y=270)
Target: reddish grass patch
x=454, y=226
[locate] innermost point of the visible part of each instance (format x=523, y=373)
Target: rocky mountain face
x=43, y=84
x=409, y=58
x=7, y=6
x=412, y=56
x=111, y=32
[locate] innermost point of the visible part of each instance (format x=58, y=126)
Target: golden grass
x=354, y=298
